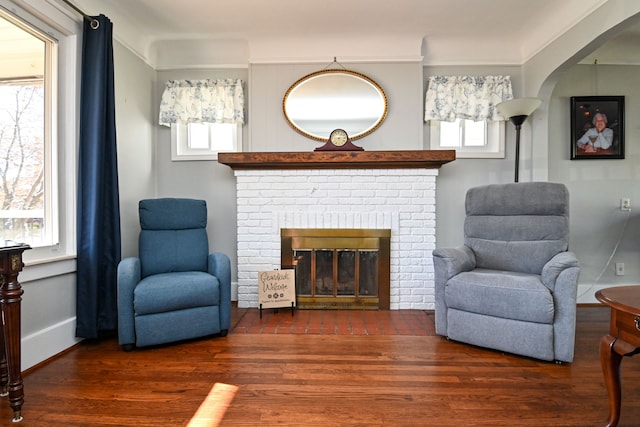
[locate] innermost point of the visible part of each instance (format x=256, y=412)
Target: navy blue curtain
x=98, y=230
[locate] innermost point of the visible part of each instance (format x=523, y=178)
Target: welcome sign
x=277, y=288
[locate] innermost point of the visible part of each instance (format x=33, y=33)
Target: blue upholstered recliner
x=175, y=289
x=512, y=286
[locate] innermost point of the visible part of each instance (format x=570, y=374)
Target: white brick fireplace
x=401, y=199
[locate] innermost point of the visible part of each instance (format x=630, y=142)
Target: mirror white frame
x=326, y=100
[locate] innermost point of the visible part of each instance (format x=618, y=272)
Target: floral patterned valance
x=466, y=97
x=202, y=101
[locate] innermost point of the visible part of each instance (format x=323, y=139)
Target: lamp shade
x=518, y=107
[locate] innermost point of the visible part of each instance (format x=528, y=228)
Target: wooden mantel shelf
x=426, y=159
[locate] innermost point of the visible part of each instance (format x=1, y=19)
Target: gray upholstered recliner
x=512, y=286
x=175, y=289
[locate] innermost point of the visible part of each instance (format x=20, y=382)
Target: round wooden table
x=623, y=339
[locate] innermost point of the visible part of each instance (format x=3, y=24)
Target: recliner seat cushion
x=516, y=296
x=175, y=291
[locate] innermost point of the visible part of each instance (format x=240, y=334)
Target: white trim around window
x=61, y=118
x=203, y=141
x=491, y=148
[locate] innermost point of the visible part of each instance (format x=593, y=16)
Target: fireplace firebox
x=339, y=268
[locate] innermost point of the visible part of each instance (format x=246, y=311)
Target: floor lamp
x=517, y=110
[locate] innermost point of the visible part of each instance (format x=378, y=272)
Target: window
x=37, y=174
x=203, y=141
x=27, y=211
x=470, y=139
x=469, y=100
x=205, y=116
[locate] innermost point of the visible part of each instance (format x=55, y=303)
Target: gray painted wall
x=601, y=234
x=457, y=177
x=267, y=130
x=598, y=227
x=136, y=115
x=401, y=130
x=596, y=186
x=206, y=180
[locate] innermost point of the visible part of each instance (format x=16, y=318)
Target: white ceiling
x=251, y=19
x=201, y=33
x=440, y=31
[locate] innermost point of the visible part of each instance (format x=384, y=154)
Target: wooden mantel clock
x=339, y=141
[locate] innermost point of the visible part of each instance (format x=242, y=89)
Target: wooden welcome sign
x=277, y=288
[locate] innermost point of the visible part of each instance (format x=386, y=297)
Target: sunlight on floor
x=212, y=410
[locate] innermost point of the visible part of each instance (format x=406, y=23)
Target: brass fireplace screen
x=338, y=268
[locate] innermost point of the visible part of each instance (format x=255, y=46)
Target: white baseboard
x=46, y=343
x=42, y=345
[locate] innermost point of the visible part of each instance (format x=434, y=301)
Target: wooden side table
x=623, y=340
x=10, y=346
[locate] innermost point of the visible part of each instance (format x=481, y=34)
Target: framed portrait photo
x=597, y=127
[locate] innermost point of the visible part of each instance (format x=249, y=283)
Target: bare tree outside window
x=29, y=137
x=21, y=161
x=23, y=134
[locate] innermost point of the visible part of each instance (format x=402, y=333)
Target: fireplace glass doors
x=339, y=268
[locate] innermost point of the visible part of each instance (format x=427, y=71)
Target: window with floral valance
x=466, y=97
x=463, y=116
x=202, y=101
x=205, y=117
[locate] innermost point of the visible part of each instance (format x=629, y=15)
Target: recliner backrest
x=173, y=236
x=517, y=227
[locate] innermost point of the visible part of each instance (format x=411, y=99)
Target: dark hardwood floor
x=328, y=380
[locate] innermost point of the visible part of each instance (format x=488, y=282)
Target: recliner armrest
x=555, y=266
x=220, y=266
x=128, y=277
x=456, y=259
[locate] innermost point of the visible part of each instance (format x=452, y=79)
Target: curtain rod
x=94, y=22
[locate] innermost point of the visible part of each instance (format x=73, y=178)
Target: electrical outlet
x=619, y=268
x=625, y=204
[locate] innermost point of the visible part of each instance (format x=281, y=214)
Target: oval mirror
x=335, y=99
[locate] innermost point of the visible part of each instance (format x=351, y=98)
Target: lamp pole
x=517, y=110
x=517, y=122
